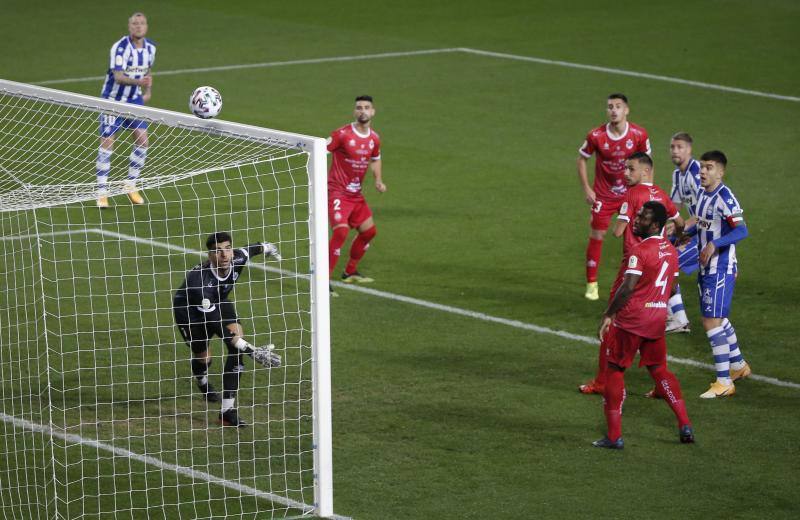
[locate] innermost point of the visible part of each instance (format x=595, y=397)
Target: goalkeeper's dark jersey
x=202, y=282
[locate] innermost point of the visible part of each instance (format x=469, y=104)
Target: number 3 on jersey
x=598, y=205
x=661, y=280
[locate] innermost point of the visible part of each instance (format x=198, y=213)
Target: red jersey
x=656, y=261
x=611, y=152
x=634, y=200
x=352, y=153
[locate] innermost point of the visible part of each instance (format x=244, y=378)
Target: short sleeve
x=730, y=210
x=587, y=148
x=675, y=195
x=117, y=57
x=644, y=144
x=376, y=150
x=634, y=265
x=334, y=140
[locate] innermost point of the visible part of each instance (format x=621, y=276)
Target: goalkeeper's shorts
x=197, y=331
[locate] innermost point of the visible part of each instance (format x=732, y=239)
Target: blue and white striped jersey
x=686, y=185
x=718, y=212
x=135, y=63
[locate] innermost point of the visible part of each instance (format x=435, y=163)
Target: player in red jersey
x=612, y=143
x=355, y=148
x=634, y=322
x=639, y=178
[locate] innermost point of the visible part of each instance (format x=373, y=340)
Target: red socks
x=359, y=247
x=613, y=397
x=669, y=388
x=593, y=252
x=335, y=246
x=602, y=365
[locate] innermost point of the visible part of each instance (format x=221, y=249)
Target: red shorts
x=344, y=210
x=602, y=211
x=622, y=346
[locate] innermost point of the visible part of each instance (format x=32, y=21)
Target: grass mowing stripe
x=623, y=72
x=479, y=52
x=437, y=306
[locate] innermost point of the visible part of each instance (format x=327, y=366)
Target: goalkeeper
x=202, y=311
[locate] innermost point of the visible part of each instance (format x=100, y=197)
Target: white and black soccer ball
x=205, y=102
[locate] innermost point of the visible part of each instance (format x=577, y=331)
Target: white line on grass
x=263, y=65
x=146, y=459
x=444, y=308
x=467, y=50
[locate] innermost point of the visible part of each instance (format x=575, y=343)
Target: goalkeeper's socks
x=138, y=156
x=200, y=371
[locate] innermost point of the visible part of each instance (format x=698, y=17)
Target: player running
x=634, y=322
x=128, y=80
x=719, y=227
x=355, y=147
x=202, y=311
x=639, y=178
x=612, y=143
x=685, y=188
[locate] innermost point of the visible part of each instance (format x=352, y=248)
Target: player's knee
x=340, y=233
x=369, y=234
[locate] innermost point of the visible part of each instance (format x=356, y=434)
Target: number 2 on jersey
x=337, y=204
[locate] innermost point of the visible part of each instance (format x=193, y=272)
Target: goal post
x=100, y=412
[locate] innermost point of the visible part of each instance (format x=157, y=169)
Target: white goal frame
x=318, y=233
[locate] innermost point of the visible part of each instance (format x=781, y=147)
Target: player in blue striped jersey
x=685, y=186
x=128, y=80
x=720, y=225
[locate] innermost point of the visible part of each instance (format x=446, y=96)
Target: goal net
x=100, y=412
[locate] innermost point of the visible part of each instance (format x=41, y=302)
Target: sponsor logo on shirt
x=655, y=305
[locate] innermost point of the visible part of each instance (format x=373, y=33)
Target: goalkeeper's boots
x=209, y=394
x=687, y=434
x=102, y=202
x=133, y=193
x=743, y=372
x=230, y=417
x=718, y=389
x=334, y=294
x=605, y=442
x=356, y=277
x=592, y=291
x=266, y=356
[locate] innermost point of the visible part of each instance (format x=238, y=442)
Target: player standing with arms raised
x=355, y=148
x=720, y=225
x=641, y=189
x=611, y=143
x=202, y=310
x=634, y=322
x=128, y=80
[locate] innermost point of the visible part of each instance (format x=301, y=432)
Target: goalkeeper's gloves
x=266, y=356
x=271, y=249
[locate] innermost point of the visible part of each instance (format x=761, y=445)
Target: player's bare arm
x=678, y=225
x=121, y=78
x=619, y=227
x=621, y=297
x=377, y=172
x=583, y=176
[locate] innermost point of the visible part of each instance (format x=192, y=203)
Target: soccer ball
x=205, y=102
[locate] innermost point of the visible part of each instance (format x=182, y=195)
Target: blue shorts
x=716, y=293
x=110, y=125
x=689, y=257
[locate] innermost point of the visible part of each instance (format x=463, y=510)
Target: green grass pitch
x=442, y=416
